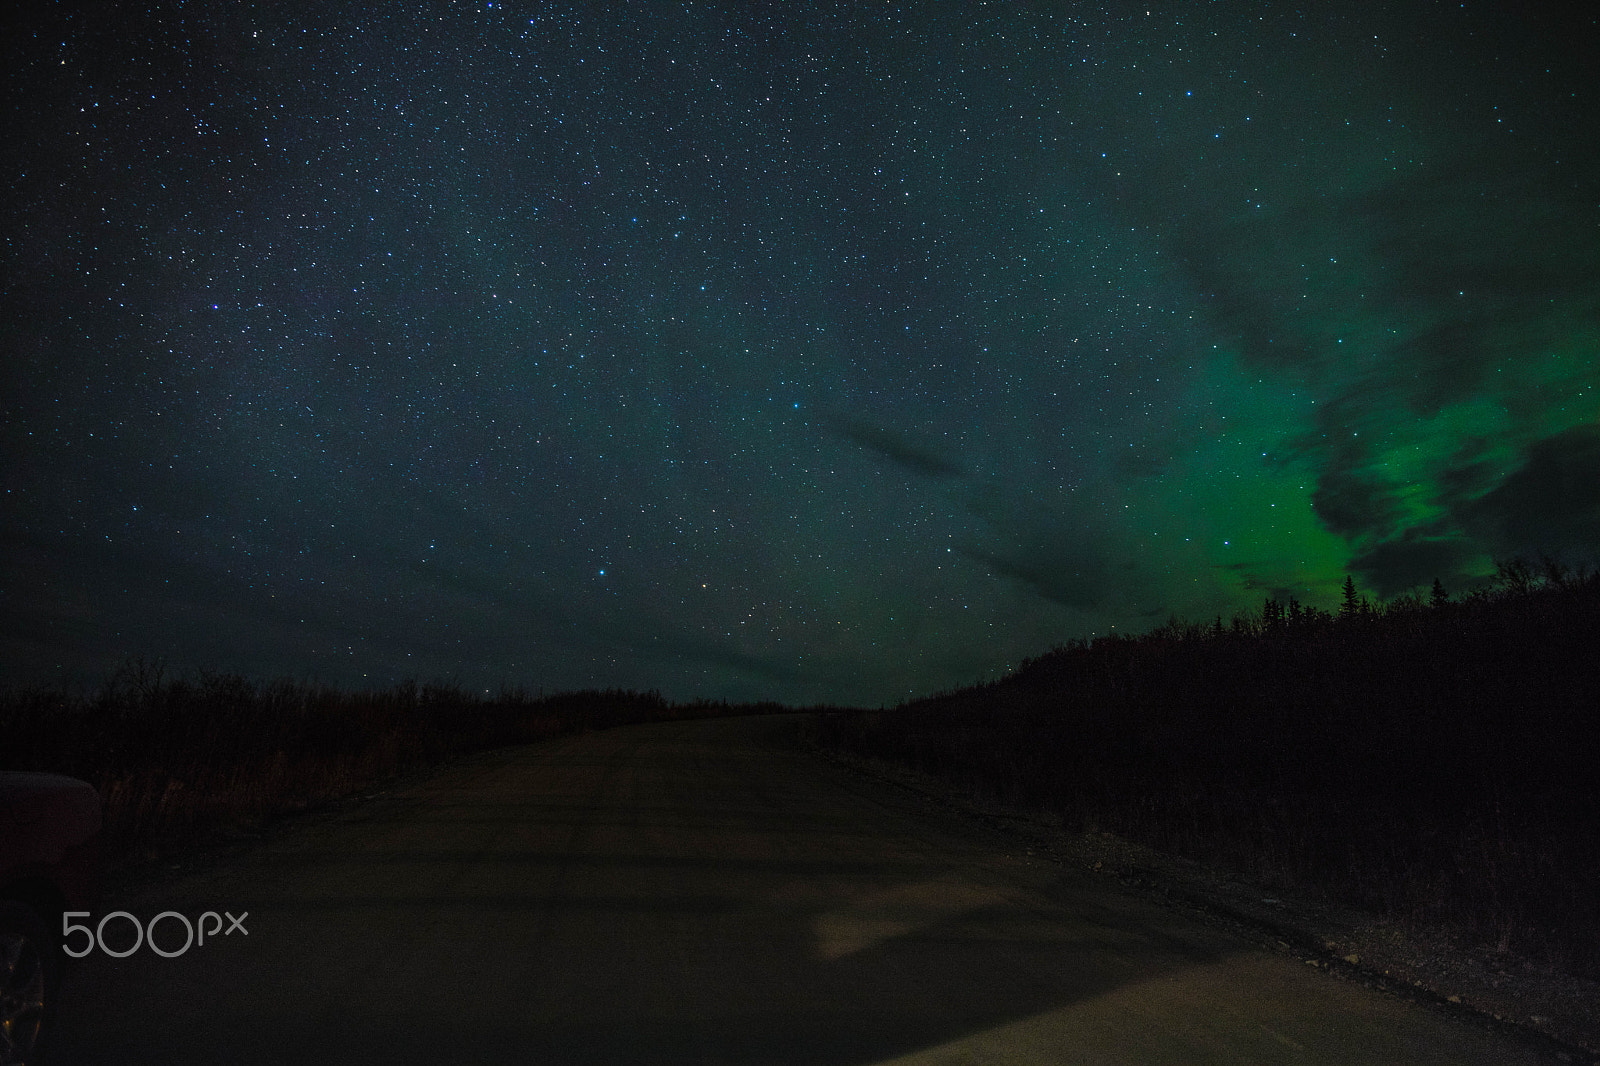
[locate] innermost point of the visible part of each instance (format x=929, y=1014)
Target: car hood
x=42, y=816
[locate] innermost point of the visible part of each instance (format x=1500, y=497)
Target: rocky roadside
x=1556, y=1011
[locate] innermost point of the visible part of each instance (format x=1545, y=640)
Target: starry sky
x=803, y=351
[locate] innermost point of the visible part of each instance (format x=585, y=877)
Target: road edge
x=1340, y=941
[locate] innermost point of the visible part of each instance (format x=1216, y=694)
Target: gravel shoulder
x=1431, y=967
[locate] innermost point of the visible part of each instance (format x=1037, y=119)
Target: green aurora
x=831, y=353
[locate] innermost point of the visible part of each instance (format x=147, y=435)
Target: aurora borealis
x=804, y=351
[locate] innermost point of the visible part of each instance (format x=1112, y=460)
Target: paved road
x=699, y=893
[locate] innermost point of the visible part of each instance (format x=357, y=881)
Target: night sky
x=804, y=351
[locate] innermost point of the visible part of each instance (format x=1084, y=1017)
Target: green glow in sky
x=809, y=352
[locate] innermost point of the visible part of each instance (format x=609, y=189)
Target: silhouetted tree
x=1555, y=573
x=1439, y=597
x=1271, y=613
x=1514, y=574
x=1350, y=605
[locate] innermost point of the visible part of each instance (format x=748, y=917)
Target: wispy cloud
x=899, y=448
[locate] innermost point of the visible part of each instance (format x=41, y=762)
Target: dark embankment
x=1433, y=762
x=185, y=762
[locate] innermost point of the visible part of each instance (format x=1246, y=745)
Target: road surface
x=702, y=892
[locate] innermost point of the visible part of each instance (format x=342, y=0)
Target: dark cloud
x=1465, y=270
x=1448, y=363
x=1251, y=307
x=898, y=448
x=1058, y=550
x=1478, y=252
x=1068, y=578
x=1551, y=503
x=1075, y=575
x=1249, y=577
x=1413, y=559
x=1468, y=474
x=1354, y=503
